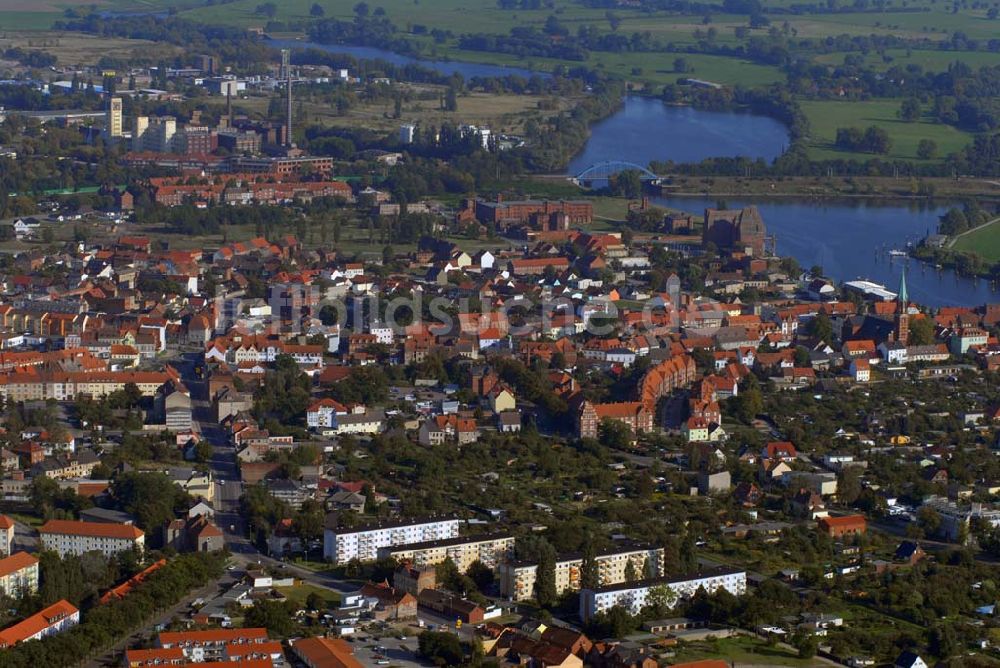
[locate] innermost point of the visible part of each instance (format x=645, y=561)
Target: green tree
x=451, y=99
x=660, y=600
x=317, y=11
x=749, y=401
x=590, y=577
x=806, y=644
x=921, y=332
x=926, y=149
x=909, y=110
x=545, y=577
x=278, y=617
x=268, y=9
x=821, y=328
x=614, y=433
x=929, y=520
x=152, y=497
x=441, y=649
x=480, y=574
x=203, y=452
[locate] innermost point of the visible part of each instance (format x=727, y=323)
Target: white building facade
x=341, y=546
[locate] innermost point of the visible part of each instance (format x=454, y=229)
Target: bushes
x=873, y=139
x=443, y=649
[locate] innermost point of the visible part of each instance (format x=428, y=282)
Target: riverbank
x=857, y=187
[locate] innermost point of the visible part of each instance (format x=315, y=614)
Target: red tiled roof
x=100, y=529
x=16, y=562
x=170, y=638
x=845, y=521
x=36, y=623
x=326, y=653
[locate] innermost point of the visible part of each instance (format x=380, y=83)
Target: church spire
x=903, y=298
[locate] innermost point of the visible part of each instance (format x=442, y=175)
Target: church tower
x=902, y=314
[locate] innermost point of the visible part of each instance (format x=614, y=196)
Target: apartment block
x=18, y=575
x=491, y=549
x=70, y=537
x=6, y=535
x=59, y=616
x=363, y=543
x=517, y=579
x=213, y=644
x=632, y=595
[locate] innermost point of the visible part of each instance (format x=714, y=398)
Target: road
x=113, y=656
x=229, y=487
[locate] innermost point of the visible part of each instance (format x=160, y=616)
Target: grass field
x=299, y=593
x=501, y=113
x=83, y=49
x=17, y=15
x=932, y=60
x=983, y=241
x=739, y=649
x=826, y=116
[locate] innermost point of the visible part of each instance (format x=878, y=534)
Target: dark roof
x=906, y=549
x=639, y=584
x=907, y=659
x=447, y=542
x=397, y=523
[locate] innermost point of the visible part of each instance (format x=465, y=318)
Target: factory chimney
x=286, y=65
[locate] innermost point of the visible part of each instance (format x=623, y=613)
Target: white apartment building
x=322, y=413
x=71, y=537
x=18, y=575
x=491, y=549
x=6, y=535
x=632, y=595
x=517, y=579
x=58, y=617
x=363, y=543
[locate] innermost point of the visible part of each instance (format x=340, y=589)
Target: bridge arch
x=604, y=170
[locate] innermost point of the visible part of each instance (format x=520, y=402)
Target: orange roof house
x=847, y=525
x=59, y=616
x=99, y=529
x=122, y=590
x=782, y=450
x=325, y=653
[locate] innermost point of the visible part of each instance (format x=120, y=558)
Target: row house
x=442, y=428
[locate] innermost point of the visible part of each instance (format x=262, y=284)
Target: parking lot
x=395, y=644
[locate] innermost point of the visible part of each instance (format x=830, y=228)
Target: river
x=646, y=129
x=446, y=67
x=849, y=239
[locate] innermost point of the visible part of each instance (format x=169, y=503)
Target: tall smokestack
x=229, y=104
x=286, y=64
